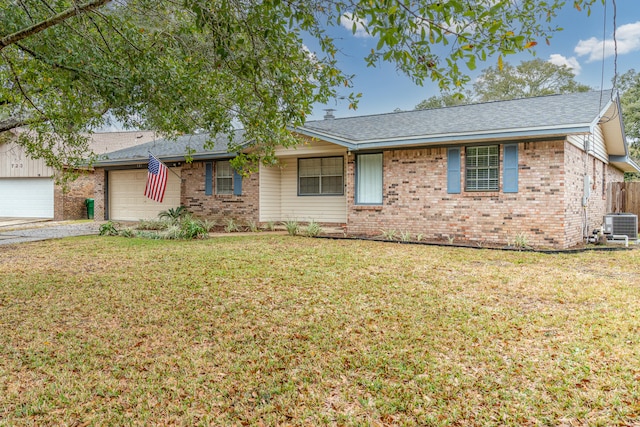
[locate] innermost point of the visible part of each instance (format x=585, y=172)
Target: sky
x=579, y=46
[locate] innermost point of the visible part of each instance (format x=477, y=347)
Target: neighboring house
x=536, y=168
x=28, y=188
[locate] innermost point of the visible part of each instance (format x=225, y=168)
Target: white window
x=482, y=168
x=369, y=179
x=224, y=177
x=321, y=176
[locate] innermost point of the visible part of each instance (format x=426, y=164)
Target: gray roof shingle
x=557, y=111
x=168, y=149
x=521, y=117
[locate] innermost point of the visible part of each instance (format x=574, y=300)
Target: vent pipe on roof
x=329, y=115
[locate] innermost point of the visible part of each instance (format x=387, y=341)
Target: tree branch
x=11, y=123
x=54, y=20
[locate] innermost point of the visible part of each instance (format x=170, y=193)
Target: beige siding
x=597, y=146
x=126, y=195
x=307, y=208
x=14, y=163
x=270, y=194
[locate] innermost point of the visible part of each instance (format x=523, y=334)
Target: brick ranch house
x=28, y=188
x=486, y=173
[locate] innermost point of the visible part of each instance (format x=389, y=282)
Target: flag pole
x=168, y=168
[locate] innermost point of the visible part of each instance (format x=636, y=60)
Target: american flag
x=156, y=179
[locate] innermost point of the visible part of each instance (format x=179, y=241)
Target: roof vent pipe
x=329, y=114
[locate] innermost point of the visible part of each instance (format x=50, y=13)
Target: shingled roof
x=173, y=149
x=539, y=116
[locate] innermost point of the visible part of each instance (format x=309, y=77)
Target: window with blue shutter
x=453, y=170
x=510, y=169
x=237, y=184
x=208, y=179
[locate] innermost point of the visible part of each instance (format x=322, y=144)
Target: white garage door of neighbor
x=26, y=197
x=127, y=201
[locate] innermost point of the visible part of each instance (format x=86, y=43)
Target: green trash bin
x=89, y=204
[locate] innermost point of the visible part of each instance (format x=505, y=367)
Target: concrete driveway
x=21, y=230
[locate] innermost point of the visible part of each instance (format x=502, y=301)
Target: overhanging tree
x=199, y=65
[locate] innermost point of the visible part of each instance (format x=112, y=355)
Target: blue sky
x=578, y=46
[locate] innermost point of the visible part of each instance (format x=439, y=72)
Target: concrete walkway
x=21, y=230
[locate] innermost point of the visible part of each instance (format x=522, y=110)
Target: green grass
x=281, y=330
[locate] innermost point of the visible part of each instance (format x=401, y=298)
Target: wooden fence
x=623, y=197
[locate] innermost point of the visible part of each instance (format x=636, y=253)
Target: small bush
x=313, y=229
x=271, y=226
x=172, y=232
x=127, y=232
x=231, y=225
x=252, y=226
x=108, y=229
x=389, y=234
x=208, y=224
x=405, y=236
x=192, y=229
x=173, y=214
x=292, y=227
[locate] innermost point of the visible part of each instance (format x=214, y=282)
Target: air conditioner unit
x=621, y=224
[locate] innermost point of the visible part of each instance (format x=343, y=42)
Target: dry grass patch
x=280, y=330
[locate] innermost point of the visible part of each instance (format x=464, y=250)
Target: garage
x=26, y=197
x=127, y=201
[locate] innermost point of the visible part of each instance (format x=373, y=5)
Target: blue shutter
x=237, y=184
x=510, y=169
x=453, y=170
x=208, y=179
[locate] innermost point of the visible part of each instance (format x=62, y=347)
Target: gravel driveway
x=46, y=231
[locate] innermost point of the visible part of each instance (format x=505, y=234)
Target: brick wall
x=99, y=195
x=577, y=165
x=69, y=201
x=218, y=207
x=415, y=199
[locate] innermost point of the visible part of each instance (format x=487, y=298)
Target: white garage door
x=26, y=197
x=127, y=201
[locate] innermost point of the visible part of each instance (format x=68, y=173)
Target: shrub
x=405, y=236
x=252, y=226
x=173, y=214
x=271, y=226
x=172, y=232
x=108, y=229
x=208, y=224
x=127, y=232
x=231, y=225
x=292, y=227
x=389, y=234
x=313, y=229
x=192, y=229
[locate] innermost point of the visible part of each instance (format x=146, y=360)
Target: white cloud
x=571, y=63
x=628, y=37
x=347, y=20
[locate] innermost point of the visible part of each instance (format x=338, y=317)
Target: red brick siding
x=415, y=199
x=69, y=202
x=218, y=207
x=99, y=196
x=577, y=164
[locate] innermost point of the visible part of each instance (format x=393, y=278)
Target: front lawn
x=280, y=330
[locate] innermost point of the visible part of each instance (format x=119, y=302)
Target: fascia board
x=145, y=159
x=478, y=136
